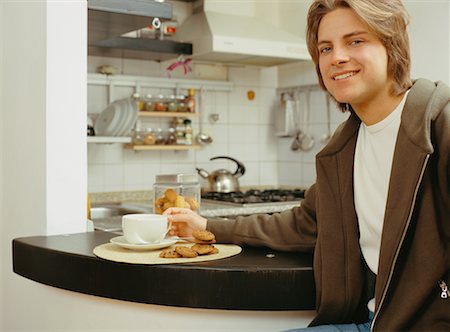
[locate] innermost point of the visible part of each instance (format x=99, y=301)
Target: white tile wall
x=244, y=131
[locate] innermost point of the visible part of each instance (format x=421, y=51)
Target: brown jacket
x=414, y=254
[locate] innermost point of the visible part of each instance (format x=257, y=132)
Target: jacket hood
x=424, y=103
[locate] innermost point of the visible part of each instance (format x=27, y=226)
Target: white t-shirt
x=372, y=172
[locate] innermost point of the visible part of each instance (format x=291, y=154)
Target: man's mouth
x=344, y=75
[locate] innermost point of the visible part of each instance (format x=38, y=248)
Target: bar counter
x=255, y=279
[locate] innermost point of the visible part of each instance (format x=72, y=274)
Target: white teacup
x=144, y=228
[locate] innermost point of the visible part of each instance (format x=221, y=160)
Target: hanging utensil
x=307, y=140
x=326, y=137
x=296, y=143
x=202, y=138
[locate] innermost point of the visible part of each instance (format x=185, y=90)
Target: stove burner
x=257, y=196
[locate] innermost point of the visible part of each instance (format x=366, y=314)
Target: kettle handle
x=204, y=174
x=240, y=170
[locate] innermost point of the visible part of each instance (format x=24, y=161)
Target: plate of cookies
x=200, y=247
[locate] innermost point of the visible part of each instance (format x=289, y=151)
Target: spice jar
x=160, y=104
x=176, y=190
x=137, y=137
x=149, y=137
x=172, y=104
x=190, y=101
x=171, y=137
x=159, y=137
x=182, y=107
x=149, y=104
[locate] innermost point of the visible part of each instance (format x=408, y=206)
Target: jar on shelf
x=190, y=101
x=171, y=138
x=161, y=104
x=149, y=104
x=137, y=136
x=182, y=107
x=149, y=137
x=176, y=190
x=172, y=105
x=188, y=131
x=159, y=137
x=180, y=131
x=137, y=99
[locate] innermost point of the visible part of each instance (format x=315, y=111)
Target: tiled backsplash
x=245, y=131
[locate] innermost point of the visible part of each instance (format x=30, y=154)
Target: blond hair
x=388, y=19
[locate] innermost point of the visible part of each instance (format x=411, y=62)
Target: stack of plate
x=117, y=119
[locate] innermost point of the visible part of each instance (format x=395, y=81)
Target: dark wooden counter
x=251, y=280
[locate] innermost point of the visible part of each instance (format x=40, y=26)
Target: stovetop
x=254, y=197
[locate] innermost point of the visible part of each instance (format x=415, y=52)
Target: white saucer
x=122, y=242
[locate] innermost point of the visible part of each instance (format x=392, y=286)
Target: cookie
x=171, y=195
x=204, y=242
x=169, y=253
x=203, y=235
x=214, y=250
x=202, y=249
x=186, y=251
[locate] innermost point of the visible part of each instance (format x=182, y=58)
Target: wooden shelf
x=108, y=139
x=168, y=114
x=162, y=147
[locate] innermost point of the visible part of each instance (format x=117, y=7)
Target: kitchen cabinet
x=139, y=83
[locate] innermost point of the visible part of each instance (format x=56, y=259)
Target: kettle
x=222, y=180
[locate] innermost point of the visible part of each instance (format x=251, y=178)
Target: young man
x=381, y=203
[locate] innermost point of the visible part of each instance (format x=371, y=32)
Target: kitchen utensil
x=286, y=117
x=326, y=137
x=306, y=140
x=202, y=138
x=223, y=180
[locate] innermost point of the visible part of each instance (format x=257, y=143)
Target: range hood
x=108, y=20
x=227, y=38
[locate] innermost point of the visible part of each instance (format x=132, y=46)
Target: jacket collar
x=415, y=119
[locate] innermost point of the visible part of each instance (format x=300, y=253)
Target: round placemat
x=113, y=252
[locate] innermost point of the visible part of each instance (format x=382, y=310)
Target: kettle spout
x=203, y=173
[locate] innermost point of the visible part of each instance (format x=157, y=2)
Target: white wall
x=244, y=131
x=429, y=37
x=2, y=106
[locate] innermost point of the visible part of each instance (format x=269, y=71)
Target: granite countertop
x=209, y=209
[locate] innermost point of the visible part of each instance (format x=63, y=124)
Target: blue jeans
x=365, y=327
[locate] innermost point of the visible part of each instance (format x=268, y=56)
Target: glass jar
x=149, y=137
x=176, y=190
x=160, y=140
x=172, y=104
x=149, y=104
x=188, y=131
x=182, y=107
x=137, y=136
x=171, y=137
x=135, y=97
x=160, y=104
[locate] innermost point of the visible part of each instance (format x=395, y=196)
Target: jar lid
x=176, y=178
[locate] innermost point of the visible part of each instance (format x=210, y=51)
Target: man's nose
x=340, y=56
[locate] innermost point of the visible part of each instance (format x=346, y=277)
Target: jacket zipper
x=391, y=272
x=445, y=292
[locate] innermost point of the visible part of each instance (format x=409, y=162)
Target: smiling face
x=353, y=61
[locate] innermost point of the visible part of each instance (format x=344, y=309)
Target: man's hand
x=184, y=221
